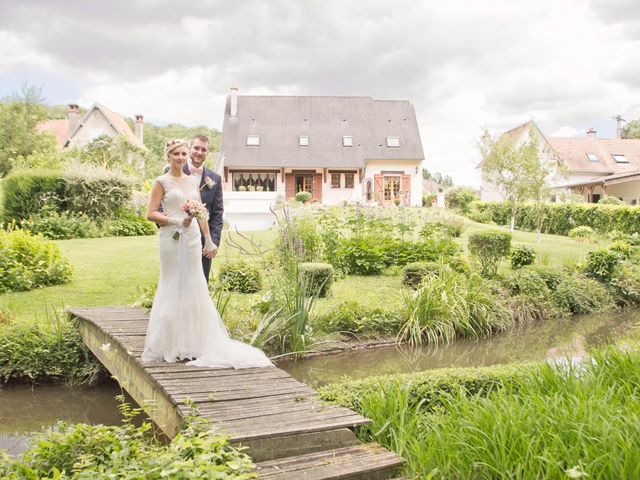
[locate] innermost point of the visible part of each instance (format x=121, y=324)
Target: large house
x=77, y=130
x=592, y=167
x=336, y=148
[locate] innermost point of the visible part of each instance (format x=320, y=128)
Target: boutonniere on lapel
x=209, y=183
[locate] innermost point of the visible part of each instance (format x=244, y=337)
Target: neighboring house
x=431, y=187
x=336, y=148
x=592, y=167
x=99, y=120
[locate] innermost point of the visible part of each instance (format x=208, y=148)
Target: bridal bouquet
x=193, y=209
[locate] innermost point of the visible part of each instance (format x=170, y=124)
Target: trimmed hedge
x=240, y=276
x=317, y=277
x=92, y=191
x=428, y=386
x=562, y=217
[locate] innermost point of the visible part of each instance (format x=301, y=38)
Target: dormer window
x=253, y=140
x=393, y=142
x=347, y=141
x=620, y=158
x=303, y=140
x=592, y=157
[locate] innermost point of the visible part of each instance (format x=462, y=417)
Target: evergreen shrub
x=489, y=247
x=240, y=276
x=522, y=255
x=28, y=262
x=581, y=233
x=127, y=224
x=317, y=277
x=24, y=193
x=303, y=197
x=610, y=201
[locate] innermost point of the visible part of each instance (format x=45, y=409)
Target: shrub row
x=28, y=262
x=560, y=218
x=96, y=192
x=428, y=386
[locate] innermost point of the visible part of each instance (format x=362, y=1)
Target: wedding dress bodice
x=176, y=191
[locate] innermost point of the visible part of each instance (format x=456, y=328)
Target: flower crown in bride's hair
x=172, y=144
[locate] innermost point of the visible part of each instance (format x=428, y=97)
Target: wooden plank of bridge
x=264, y=409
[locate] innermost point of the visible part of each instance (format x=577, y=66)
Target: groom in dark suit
x=210, y=191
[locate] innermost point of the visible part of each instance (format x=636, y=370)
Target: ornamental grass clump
x=452, y=304
x=489, y=248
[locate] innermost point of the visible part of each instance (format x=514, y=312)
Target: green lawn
x=111, y=271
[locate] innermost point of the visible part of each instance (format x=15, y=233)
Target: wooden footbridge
x=289, y=432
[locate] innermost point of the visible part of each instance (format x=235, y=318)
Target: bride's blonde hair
x=171, y=145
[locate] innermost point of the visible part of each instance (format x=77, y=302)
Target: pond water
x=24, y=411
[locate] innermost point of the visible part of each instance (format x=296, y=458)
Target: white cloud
x=463, y=64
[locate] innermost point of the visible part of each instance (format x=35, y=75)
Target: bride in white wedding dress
x=184, y=322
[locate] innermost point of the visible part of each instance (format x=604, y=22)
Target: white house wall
x=92, y=128
x=407, y=167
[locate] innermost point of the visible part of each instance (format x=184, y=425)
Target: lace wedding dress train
x=184, y=323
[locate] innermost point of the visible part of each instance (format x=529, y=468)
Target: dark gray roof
x=280, y=120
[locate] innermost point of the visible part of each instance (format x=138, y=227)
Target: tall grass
x=555, y=422
x=451, y=304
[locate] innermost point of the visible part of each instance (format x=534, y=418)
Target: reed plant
x=451, y=304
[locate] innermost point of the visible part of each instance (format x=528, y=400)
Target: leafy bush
x=303, y=197
x=350, y=316
x=359, y=256
x=527, y=282
x=414, y=273
x=489, y=247
x=449, y=226
x=522, y=255
x=610, y=201
x=480, y=215
x=60, y=226
x=626, y=283
x=81, y=451
x=317, y=277
x=622, y=248
x=460, y=198
x=450, y=305
x=44, y=351
x=631, y=239
x=25, y=193
x=240, y=276
x=577, y=294
x=401, y=252
x=552, y=276
x=559, y=218
x=428, y=198
x=28, y=262
x=602, y=264
x=128, y=224
x=581, y=233
x=95, y=191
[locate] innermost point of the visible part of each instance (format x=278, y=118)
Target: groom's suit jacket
x=212, y=198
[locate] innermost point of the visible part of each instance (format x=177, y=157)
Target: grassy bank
x=544, y=422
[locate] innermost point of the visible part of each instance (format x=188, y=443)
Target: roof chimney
x=139, y=128
x=234, y=102
x=74, y=117
x=591, y=133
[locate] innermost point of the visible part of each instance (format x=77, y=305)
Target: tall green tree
x=632, y=130
x=517, y=168
x=20, y=114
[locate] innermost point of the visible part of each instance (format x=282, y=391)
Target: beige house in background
x=76, y=131
x=590, y=166
x=336, y=148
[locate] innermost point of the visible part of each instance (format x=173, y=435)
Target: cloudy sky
x=464, y=64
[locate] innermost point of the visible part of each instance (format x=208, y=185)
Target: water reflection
x=570, y=337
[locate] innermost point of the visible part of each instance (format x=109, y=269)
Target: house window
x=393, y=142
x=253, y=182
x=620, y=158
x=348, y=180
x=592, y=157
x=335, y=180
x=304, y=183
x=347, y=141
x=391, y=187
x=303, y=140
x=253, y=140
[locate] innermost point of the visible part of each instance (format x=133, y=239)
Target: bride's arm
x=157, y=191
x=209, y=250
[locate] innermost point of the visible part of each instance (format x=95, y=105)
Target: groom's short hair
x=202, y=138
